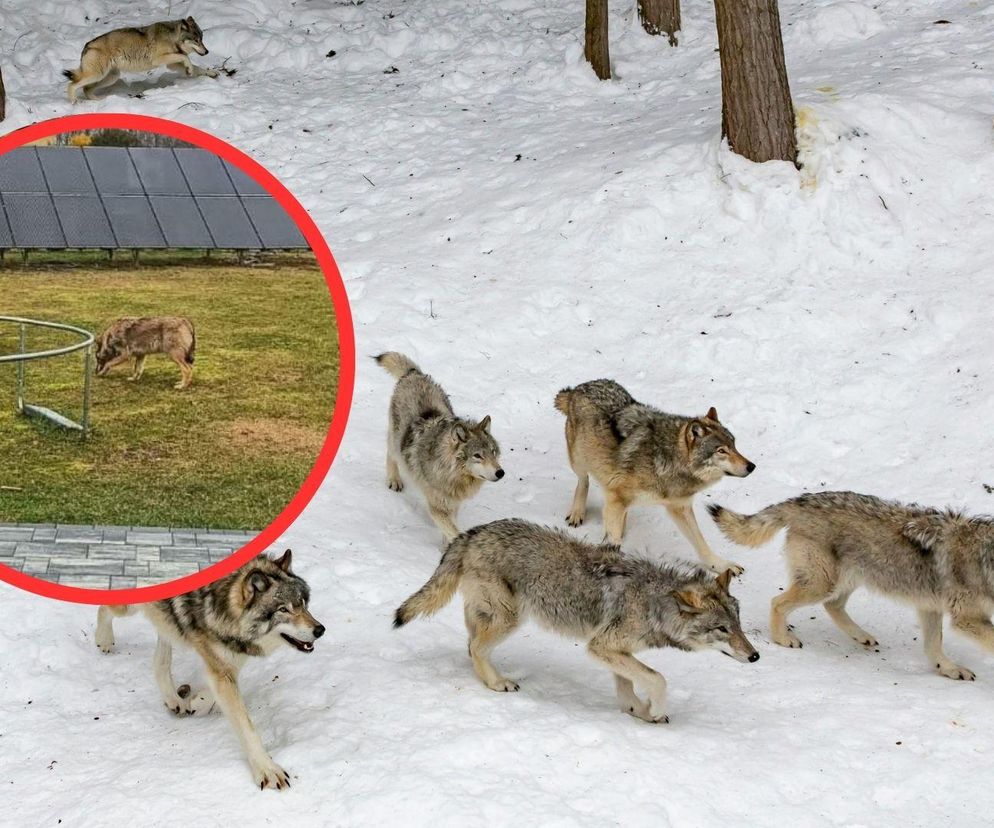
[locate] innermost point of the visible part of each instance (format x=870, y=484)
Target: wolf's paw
x=131, y=379
x=788, y=639
x=395, y=485
x=105, y=645
x=268, y=774
x=212, y=73
x=954, y=671
x=575, y=519
x=866, y=640
x=504, y=686
x=201, y=702
x=720, y=565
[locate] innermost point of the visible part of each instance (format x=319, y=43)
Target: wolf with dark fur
x=511, y=569
x=252, y=612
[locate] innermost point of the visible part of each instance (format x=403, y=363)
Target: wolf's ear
x=254, y=584
x=459, y=433
x=283, y=562
x=712, y=414
x=697, y=430
x=723, y=580
x=484, y=424
x=689, y=601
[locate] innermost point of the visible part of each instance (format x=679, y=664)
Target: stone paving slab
x=114, y=557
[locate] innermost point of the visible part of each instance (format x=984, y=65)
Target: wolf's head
x=274, y=602
x=712, y=449
x=111, y=349
x=478, y=450
x=191, y=39
x=710, y=616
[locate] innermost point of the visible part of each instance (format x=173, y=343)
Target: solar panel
x=181, y=222
x=83, y=221
x=66, y=172
x=33, y=221
x=135, y=197
x=204, y=173
x=20, y=172
x=113, y=171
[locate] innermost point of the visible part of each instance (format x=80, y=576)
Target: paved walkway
x=113, y=557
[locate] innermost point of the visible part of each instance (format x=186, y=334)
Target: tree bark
x=3, y=98
x=659, y=16
x=757, y=115
x=595, y=47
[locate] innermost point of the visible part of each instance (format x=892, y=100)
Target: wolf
x=447, y=457
x=252, y=612
x=640, y=454
x=510, y=569
x=135, y=337
x=168, y=43
x=940, y=562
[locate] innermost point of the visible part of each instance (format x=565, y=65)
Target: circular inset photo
x=176, y=358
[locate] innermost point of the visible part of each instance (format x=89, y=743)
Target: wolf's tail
x=72, y=74
x=749, y=530
x=441, y=586
x=396, y=364
x=562, y=400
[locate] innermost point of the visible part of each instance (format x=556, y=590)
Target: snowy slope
x=517, y=226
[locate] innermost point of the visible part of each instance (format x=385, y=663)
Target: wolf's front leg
x=443, y=515
x=627, y=700
x=683, y=516
x=223, y=681
x=171, y=697
x=630, y=669
x=931, y=623
x=615, y=514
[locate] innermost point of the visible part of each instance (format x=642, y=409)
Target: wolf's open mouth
x=303, y=646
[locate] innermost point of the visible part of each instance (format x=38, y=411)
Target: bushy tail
x=72, y=74
x=396, y=364
x=562, y=400
x=749, y=530
x=440, y=587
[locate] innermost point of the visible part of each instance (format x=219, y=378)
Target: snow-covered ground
x=517, y=226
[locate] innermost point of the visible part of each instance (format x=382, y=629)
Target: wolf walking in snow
x=141, y=49
x=510, y=569
x=940, y=562
x=640, y=454
x=251, y=612
x=446, y=456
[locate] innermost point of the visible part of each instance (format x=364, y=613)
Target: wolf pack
x=617, y=601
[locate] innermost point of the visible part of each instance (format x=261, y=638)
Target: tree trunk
x=3, y=98
x=757, y=115
x=595, y=47
x=659, y=16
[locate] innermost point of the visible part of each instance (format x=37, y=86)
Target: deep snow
x=516, y=226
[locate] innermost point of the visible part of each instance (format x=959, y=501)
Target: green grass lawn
x=229, y=452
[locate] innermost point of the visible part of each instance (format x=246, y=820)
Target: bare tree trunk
x=658, y=16
x=595, y=48
x=757, y=115
x=3, y=98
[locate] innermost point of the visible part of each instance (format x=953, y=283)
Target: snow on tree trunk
x=595, y=48
x=660, y=16
x=757, y=115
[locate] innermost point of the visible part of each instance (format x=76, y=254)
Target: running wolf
x=136, y=337
x=168, y=43
x=448, y=457
x=938, y=561
x=251, y=612
x=510, y=569
x=640, y=454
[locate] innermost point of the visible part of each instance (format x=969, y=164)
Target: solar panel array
x=133, y=198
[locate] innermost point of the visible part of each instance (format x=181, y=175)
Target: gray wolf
x=168, y=43
x=940, y=562
x=510, y=569
x=640, y=454
x=447, y=457
x=135, y=337
x=252, y=612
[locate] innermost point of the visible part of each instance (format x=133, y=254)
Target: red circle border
x=346, y=340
